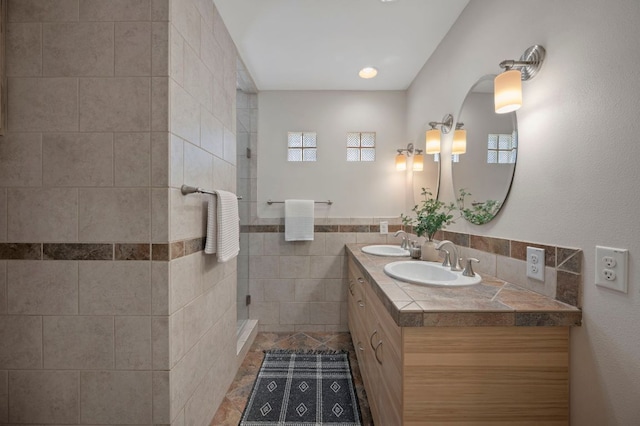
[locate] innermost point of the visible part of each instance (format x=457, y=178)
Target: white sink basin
x=428, y=273
x=385, y=250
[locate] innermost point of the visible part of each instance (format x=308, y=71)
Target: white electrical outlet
x=535, y=263
x=611, y=268
x=384, y=227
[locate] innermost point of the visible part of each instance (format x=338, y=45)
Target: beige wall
x=91, y=217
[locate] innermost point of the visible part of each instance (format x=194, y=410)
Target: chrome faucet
x=453, y=253
x=405, y=241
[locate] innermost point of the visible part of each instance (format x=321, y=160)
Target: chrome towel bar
x=186, y=190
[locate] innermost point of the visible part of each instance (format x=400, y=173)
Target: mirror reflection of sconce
x=459, y=145
x=433, y=135
x=508, y=85
x=401, y=158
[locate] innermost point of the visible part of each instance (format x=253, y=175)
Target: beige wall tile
x=198, y=80
x=186, y=18
x=160, y=159
x=21, y=160
x=310, y=290
x=336, y=290
x=278, y=290
x=115, y=104
x=159, y=12
x=336, y=241
x=294, y=266
x=264, y=267
x=159, y=104
x=326, y=267
x=224, y=175
x=115, y=10
x=176, y=55
x=42, y=214
x=185, y=114
x=133, y=48
x=42, y=10
x=4, y=396
x=21, y=338
x=115, y=288
x=185, y=281
x=24, y=50
x=160, y=385
x=77, y=159
x=176, y=337
x=187, y=216
x=114, y=214
x=105, y=397
x=42, y=104
x=160, y=49
x=294, y=313
x=312, y=248
x=370, y=238
x=198, y=166
x=42, y=288
x=211, y=53
x=77, y=49
x=184, y=378
x=78, y=342
x=243, y=265
x=199, y=407
x=229, y=146
x=133, y=343
x=159, y=215
x=43, y=397
x=160, y=342
x=324, y=313
x=132, y=154
x=274, y=244
x=515, y=272
x=197, y=320
x=265, y=312
x=212, y=134
x=487, y=264
x=160, y=288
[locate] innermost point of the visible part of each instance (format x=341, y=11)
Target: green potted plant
x=431, y=215
x=480, y=212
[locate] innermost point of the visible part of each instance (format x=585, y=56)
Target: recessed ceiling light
x=368, y=72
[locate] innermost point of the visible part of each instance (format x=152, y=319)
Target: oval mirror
x=482, y=175
x=429, y=176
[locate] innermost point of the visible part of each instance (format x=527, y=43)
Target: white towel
x=298, y=220
x=223, y=226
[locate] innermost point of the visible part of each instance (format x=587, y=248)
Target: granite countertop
x=491, y=303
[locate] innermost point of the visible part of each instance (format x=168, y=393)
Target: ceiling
x=322, y=44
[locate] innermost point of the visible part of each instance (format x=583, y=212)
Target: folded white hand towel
x=223, y=226
x=298, y=220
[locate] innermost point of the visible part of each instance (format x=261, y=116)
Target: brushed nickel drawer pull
x=375, y=351
x=361, y=280
x=361, y=303
x=371, y=339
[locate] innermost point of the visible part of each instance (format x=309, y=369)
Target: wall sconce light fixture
x=508, y=85
x=401, y=158
x=459, y=145
x=433, y=134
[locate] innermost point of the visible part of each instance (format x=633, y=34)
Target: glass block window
x=302, y=146
x=361, y=146
x=502, y=148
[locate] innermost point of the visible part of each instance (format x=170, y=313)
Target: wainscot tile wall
x=110, y=313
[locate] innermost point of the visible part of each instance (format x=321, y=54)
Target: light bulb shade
x=459, y=145
x=418, y=163
x=508, y=91
x=401, y=162
x=433, y=141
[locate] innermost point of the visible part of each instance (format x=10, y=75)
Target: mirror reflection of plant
x=431, y=215
x=480, y=212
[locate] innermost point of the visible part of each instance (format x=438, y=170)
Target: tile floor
x=233, y=405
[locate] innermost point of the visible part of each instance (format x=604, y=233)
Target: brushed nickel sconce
x=401, y=158
x=433, y=135
x=508, y=85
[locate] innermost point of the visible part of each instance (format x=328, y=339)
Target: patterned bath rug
x=303, y=389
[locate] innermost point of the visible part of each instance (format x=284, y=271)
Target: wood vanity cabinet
x=457, y=375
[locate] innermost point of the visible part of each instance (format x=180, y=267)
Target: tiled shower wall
x=109, y=311
x=202, y=292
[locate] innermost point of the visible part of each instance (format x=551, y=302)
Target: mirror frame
x=514, y=120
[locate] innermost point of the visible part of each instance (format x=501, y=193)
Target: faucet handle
x=468, y=270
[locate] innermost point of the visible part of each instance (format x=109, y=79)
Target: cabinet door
x=387, y=357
